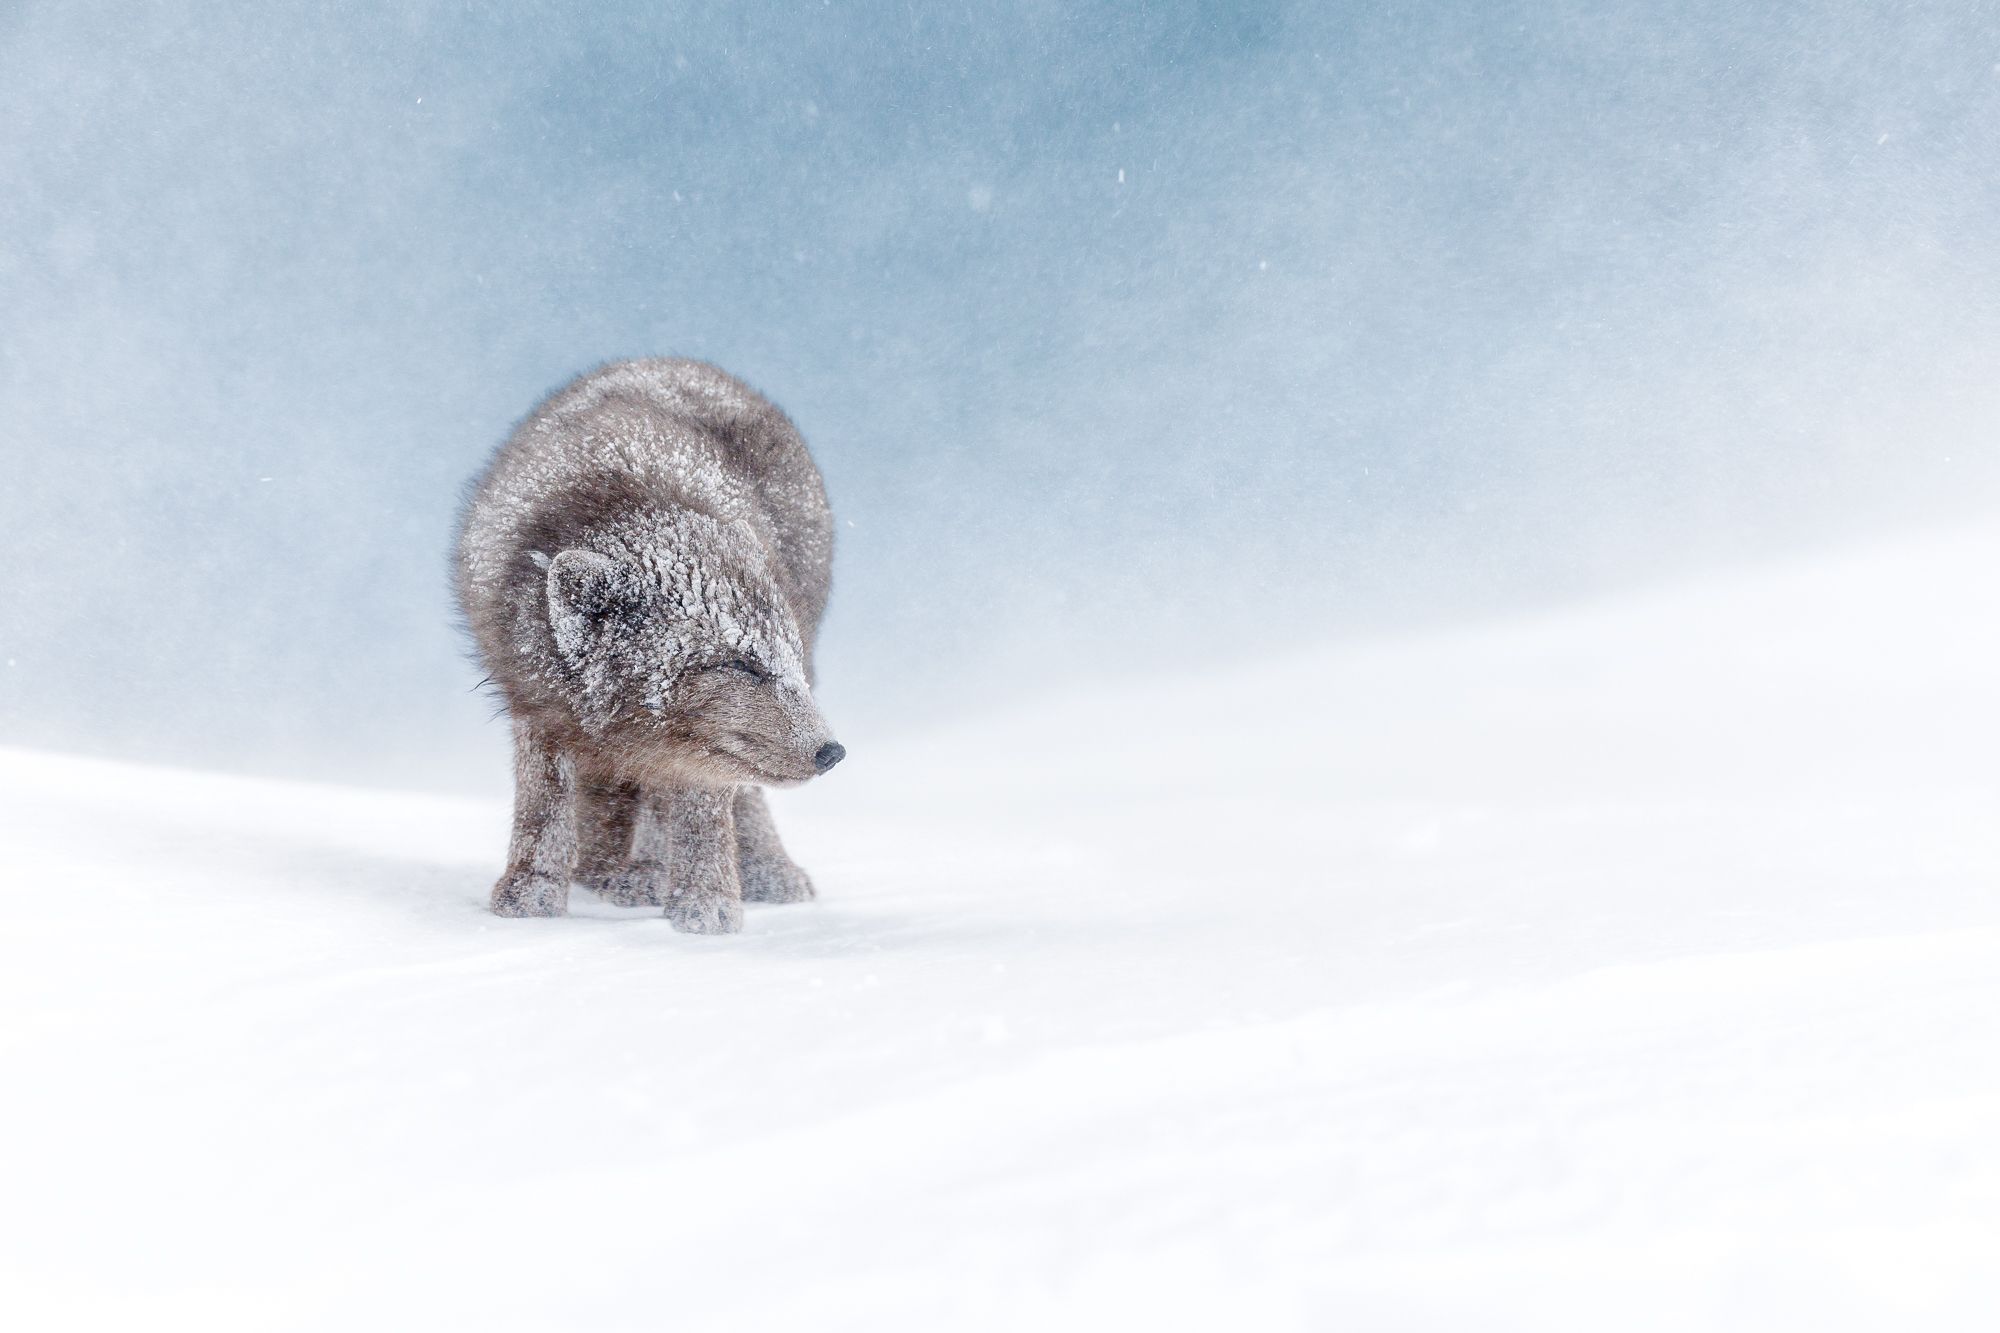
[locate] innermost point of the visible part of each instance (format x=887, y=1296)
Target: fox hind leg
x=768, y=873
x=607, y=825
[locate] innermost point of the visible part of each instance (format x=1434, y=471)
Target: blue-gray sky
x=1130, y=337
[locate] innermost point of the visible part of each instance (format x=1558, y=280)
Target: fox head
x=680, y=652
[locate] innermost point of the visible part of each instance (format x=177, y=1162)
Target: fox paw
x=704, y=912
x=634, y=886
x=530, y=895
x=776, y=882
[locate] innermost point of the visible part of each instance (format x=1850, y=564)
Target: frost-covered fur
x=643, y=566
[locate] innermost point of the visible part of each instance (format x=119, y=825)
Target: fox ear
x=583, y=587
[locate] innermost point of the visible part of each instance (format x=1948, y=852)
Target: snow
x=1629, y=966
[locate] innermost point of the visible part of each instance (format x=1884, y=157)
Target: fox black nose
x=829, y=754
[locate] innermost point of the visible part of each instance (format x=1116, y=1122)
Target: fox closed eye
x=750, y=669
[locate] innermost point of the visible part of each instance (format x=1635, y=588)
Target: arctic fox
x=643, y=566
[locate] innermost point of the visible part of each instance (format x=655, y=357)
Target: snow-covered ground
x=1632, y=967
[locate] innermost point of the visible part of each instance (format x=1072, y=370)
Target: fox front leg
x=704, y=894
x=542, y=852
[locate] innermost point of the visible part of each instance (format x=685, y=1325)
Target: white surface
x=1632, y=967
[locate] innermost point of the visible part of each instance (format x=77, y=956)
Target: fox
x=643, y=566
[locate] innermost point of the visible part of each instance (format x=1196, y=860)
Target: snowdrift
x=1627, y=967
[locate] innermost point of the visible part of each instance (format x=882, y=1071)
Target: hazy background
x=1130, y=338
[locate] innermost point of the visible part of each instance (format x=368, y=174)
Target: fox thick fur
x=643, y=566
